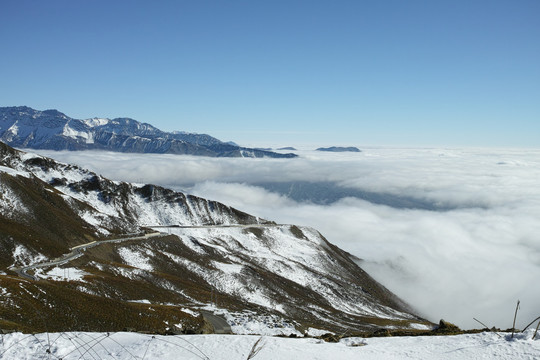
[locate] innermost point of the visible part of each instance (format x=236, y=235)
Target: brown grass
x=46, y=306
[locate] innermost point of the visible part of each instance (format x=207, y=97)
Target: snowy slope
x=298, y=254
x=126, y=346
x=111, y=203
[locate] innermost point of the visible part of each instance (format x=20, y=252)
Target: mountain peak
x=53, y=112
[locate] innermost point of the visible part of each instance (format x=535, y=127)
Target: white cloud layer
x=474, y=259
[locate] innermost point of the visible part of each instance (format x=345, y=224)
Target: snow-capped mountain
x=25, y=127
x=208, y=256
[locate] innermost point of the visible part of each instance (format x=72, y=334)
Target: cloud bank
x=472, y=253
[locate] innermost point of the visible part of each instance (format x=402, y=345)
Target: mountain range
x=24, y=127
x=148, y=258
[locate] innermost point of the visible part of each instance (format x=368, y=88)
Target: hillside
x=208, y=256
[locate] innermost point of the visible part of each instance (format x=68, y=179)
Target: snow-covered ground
x=61, y=274
x=126, y=346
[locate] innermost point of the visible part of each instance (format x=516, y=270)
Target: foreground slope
x=125, y=346
x=209, y=256
x=22, y=126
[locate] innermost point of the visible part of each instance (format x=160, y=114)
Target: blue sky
x=415, y=73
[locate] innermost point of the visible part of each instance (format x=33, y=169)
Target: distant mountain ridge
x=339, y=149
x=25, y=127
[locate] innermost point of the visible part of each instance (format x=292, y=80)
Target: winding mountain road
x=219, y=323
x=266, y=225
x=75, y=252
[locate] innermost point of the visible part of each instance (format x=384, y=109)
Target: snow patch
x=62, y=274
x=96, y=122
x=10, y=202
x=190, y=312
x=417, y=326
x=228, y=268
x=23, y=256
x=96, y=220
x=74, y=134
x=14, y=172
x=353, y=341
x=135, y=259
x=14, y=129
x=248, y=323
x=317, y=332
x=142, y=301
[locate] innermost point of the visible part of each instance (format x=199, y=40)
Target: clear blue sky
x=380, y=72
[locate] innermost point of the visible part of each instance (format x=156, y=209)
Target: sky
x=285, y=73
x=471, y=253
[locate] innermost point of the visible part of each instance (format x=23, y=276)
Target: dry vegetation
x=50, y=306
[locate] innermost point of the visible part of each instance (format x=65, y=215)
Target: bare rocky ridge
x=210, y=257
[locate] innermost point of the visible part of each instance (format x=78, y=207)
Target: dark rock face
x=340, y=149
x=50, y=129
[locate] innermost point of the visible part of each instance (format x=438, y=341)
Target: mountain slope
x=210, y=256
x=50, y=129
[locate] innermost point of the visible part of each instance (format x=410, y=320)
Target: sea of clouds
x=454, y=232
